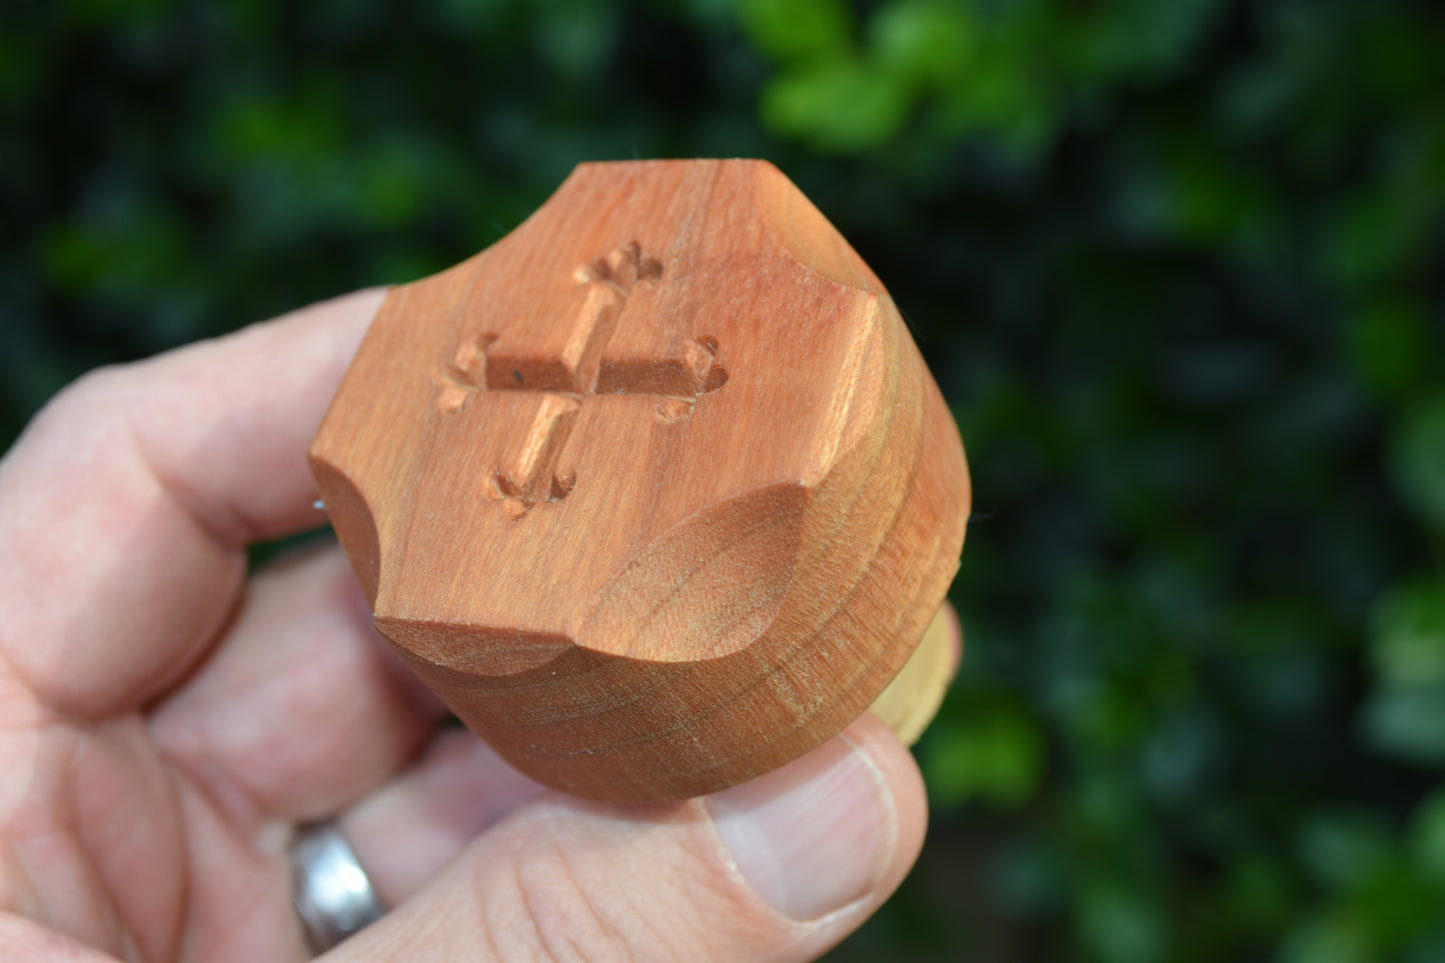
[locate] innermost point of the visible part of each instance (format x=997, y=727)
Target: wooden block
x=656, y=492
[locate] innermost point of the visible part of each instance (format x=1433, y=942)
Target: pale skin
x=166, y=721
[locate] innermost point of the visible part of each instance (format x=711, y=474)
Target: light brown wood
x=656, y=492
x=913, y=698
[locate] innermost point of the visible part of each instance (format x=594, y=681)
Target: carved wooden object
x=655, y=492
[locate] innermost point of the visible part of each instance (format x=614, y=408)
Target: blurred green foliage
x=1176, y=265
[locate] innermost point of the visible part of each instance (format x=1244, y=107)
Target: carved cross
x=673, y=384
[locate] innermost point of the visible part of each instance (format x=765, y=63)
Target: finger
x=24, y=939
x=237, y=906
x=407, y=831
x=131, y=497
x=303, y=708
x=777, y=869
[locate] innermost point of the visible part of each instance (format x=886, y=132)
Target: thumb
x=780, y=868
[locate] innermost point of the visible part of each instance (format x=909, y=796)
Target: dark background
x=1176, y=264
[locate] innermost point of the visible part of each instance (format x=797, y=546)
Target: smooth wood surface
x=655, y=492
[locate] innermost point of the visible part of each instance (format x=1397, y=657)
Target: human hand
x=165, y=722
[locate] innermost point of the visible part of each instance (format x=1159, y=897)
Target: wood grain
x=655, y=492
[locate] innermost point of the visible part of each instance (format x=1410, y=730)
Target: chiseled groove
x=534, y=475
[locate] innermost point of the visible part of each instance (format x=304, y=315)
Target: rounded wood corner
x=707, y=587
x=353, y=521
x=807, y=235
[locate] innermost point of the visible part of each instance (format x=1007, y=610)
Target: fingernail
x=813, y=836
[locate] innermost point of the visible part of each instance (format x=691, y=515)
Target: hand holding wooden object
x=656, y=492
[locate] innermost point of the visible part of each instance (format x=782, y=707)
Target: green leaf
x=1388, y=346
x=798, y=29
x=1427, y=835
x=1372, y=235
x=1029, y=877
x=840, y=106
x=995, y=754
x=1407, y=723
x=1121, y=924
x=1258, y=890
x=391, y=182
x=1342, y=848
x=1138, y=37
x=1417, y=461
x=577, y=37
x=1335, y=939
x=1003, y=97
x=1407, y=642
x=924, y=41
x=1395, y=903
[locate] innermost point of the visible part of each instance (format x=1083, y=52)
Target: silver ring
x=333, y=894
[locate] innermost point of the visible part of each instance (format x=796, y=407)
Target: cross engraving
x=577, y=371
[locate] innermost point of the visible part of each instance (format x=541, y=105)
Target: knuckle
x=97, y=385
x=91, y=399
x=555, y=916
x=564, y=903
